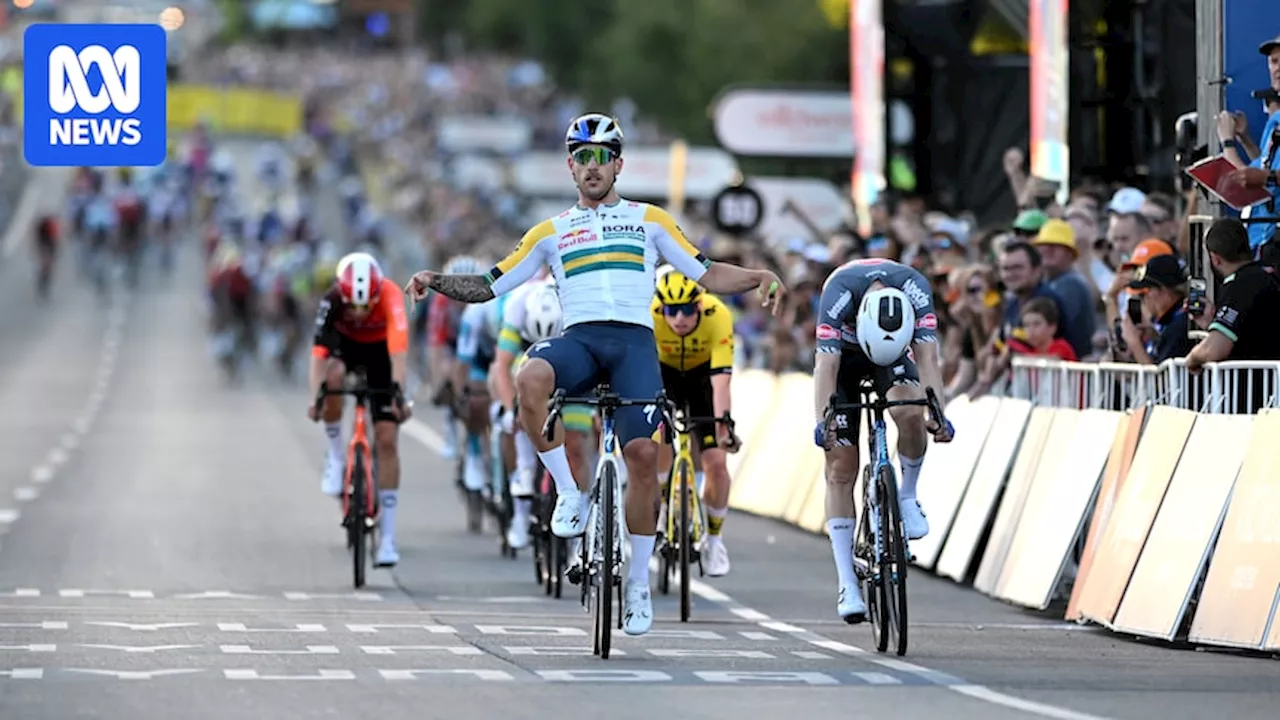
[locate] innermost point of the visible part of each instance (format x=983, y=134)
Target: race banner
x=1050, y=157
x=866, y=63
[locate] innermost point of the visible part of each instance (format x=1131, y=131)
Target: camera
x=1188, y=151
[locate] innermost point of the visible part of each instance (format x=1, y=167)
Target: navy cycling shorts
x=623, y=354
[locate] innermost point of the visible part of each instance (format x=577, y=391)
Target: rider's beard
x=595, y=195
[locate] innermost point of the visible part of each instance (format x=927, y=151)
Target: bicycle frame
x=361, y=446
x=682, y=447
x=595, y=522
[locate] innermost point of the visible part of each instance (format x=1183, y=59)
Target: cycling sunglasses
x=689, y=308
x=602, y=155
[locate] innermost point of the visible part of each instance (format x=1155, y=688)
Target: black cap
x=1266, y=47
x=1166, y=271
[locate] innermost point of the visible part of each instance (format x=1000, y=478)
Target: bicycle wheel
x=608, y=559
x=543, y=562
x=355, y=520
x=684, y=533
x=893, y=572
x=559, y=564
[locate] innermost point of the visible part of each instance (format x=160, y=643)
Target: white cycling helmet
x=886, y=324
x=464, y=265
x=542, y=316
x=594, y=129
x=359, y=279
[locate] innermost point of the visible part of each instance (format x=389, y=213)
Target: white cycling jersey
x=603, y=260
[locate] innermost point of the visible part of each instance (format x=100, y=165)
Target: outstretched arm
x=463, y=288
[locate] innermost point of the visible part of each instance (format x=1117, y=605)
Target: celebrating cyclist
x=876, y=321
x=361, y=323
x=603, y=252
x=694, y=332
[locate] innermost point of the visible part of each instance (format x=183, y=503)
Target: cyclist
x=694, y=333
x=474, y=353
x=361, y=323
x=531, y=315
x=602, y=252
x=877, y=321
x=443, y=317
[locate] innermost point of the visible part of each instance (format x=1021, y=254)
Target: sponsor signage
x=785, y=123
x=738, y=210
x=480, y=133
x=820, y=201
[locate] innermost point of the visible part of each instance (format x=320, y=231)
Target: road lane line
x=432, y=439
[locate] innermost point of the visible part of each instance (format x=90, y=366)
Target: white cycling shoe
x=850, y=606
x=569, y=519
x=518, y=535
x=637, y=613
x=715, y=558
x=387, y=555
x=331, y=480
x=914, y=523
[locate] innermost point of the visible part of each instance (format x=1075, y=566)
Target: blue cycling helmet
x=594, y=129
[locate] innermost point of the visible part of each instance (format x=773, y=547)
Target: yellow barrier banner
x=231, y=110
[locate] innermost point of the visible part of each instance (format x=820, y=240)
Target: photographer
x=1261, y=168
x=1242, y=327
x=1161, y=285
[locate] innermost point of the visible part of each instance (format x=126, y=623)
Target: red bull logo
x=576, y=237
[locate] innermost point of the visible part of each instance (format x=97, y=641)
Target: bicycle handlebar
x=684, y=424
x=930, y=401
x=603, y=399
x=359, y=389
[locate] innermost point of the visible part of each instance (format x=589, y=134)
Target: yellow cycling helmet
x=675, y=288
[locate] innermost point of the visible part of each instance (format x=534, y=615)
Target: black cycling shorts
x=376, y=362
x=691, y=390
x=855, y=367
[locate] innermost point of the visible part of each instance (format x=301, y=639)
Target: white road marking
x=753, y=635
x=70, y=441
x=810, y=655
x=57, y=456
x=25, y=493
x=434, y=441
x=41, y=474
x=8, y=516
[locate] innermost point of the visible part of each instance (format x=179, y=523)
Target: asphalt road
x=167, y=553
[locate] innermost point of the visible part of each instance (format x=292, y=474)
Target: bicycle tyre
x=543, y=562
x=894, y=574
x=608, y=560
x=559, y=564
x=355, y=521
x=684, y=531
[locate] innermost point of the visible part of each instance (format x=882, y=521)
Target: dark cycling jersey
x=843, y=291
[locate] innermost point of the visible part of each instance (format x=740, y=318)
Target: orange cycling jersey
x=384, y=322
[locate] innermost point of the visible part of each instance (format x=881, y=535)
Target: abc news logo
x=69, y=92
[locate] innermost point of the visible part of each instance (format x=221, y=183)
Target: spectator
x=1162, y=285
x=975, y=314
x=1117, y=298
x=1243, y=326
x=1028, y=223
x=1039, y=332
x=1091, y=244
x=1162, y=214
x=1126, y=230
x=1022, y=272
x=1256, y=169
x=1057, y=245
x=1127, y=200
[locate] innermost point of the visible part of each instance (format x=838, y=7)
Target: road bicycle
x=550, y=551
x=602, y=547
x=497, y=497
x=360, y=496
x=685, y=524
x=881, y=553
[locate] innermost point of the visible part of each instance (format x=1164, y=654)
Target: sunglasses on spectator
x=690, y=309
x=976, y=289
x=584, y=156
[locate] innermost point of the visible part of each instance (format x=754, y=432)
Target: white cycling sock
x=641, y=551
x=387, y=502
x=557, y=463
x=333, y=431
x=526, y=456
x=910, y=476
x=841, y=532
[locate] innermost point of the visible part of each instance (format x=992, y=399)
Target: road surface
x=167, y=553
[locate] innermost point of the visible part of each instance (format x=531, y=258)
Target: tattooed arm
x=463, y=288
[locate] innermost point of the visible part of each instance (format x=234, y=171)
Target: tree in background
x=670, y=56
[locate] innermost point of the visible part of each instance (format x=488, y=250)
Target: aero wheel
x=684, y=532
x=894, y=568
x=356, y=512
x=869, y=580
x=608, y=559
x=559, y=564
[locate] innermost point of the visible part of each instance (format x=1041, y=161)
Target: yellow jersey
x=709, y=347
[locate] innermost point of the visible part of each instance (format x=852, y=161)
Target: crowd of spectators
x=1100, y=277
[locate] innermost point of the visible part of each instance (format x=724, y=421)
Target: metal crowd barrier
x=1232, y=388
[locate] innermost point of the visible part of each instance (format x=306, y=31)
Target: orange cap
x=1146, y=250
